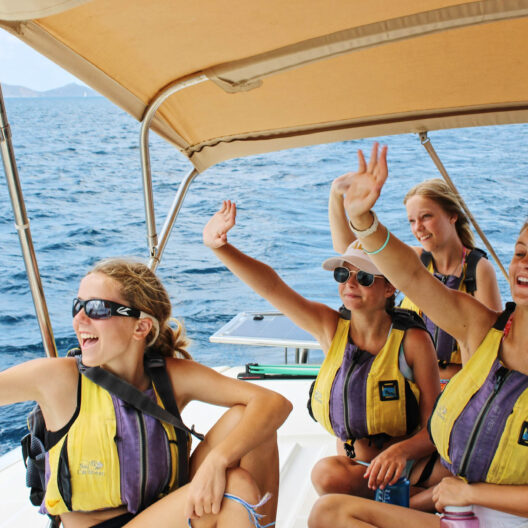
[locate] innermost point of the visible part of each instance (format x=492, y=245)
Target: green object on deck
x=256, y=371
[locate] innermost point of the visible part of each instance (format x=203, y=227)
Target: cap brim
x=360, y=260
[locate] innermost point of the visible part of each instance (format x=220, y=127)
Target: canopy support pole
x=148, y=196
x=171, y=218
x=24, y=233
x=426, y=142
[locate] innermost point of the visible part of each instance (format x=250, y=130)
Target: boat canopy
x=253, y=77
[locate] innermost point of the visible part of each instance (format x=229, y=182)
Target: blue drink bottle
x=398, y=493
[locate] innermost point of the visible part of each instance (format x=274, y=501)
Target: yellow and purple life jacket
x=447, y=349
x=360, y=395
x=111, y=455
x=480, y=422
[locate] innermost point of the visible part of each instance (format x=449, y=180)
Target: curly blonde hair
x=143, y=290
x=438, y=191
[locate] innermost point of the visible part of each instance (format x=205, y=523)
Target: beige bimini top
x=275, y=75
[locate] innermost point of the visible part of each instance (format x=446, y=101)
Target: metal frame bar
x=152, y=237
x=155, y=257
x=426, y=142
x=24, y=233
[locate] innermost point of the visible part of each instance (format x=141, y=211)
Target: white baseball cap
x=354, y=255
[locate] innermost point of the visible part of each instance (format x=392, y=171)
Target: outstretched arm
x=316, y=318
x=342, y=235
x=459, y=314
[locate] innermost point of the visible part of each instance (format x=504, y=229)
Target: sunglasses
x=102, y=309
x=342, y=274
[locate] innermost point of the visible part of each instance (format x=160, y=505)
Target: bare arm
x=453, y=491
x=461, y=315
x=316, y=318
x=487, y=291
x=264, y=412
x=52, y=383
x=389, y=465
x=342, y=235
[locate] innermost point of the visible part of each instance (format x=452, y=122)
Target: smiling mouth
x=523, y=281
x=424, y=237
x=88, y=340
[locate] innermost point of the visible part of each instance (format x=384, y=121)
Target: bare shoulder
x=59, y=377
x=418, y=346
x=58, y=380
x=485, y=270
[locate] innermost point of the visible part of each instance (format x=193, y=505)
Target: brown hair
x=525, y=225
x=438, y=191
x=143, y=290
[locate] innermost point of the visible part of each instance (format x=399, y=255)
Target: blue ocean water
x=79, y=166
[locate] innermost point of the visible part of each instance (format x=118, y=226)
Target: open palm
x=362, y=188
x=215, y=231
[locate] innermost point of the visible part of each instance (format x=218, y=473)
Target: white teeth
x=88, y=336
x=524, y=280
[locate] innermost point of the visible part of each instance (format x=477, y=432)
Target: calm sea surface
x=80, y=172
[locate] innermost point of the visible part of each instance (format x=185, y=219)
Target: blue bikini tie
x=250, y=508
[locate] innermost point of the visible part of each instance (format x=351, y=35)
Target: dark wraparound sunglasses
x=342, y=274
x=102, y=309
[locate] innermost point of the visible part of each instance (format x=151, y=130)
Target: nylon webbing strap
x=158, y=373
x=129, y=394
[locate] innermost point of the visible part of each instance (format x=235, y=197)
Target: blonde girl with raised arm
x=447, y=249
x=479, y=424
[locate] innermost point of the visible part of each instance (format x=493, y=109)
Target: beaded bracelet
x=379, y=250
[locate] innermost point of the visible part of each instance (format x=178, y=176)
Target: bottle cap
x=458, y=509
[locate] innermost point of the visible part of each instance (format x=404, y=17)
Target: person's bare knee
x=336, y=474
x=327, y=511
x=240, y=483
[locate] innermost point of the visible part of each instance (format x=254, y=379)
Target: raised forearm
x=258, y=276
x=342, y=236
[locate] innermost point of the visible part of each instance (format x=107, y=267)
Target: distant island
x=69, y=90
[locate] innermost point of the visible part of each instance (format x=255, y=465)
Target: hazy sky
x=21, y=65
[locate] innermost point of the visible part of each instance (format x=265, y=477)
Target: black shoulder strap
x=472, y=259
x=501, y=321
x=344, y=312
x=129, y=394
x=155, y=365
x=402, y=319
x=426, y=258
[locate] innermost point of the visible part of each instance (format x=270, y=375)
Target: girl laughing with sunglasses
x=110, y=465
x=378, y=383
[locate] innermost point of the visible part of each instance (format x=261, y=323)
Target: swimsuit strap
x=507, y=327
x=250, y=508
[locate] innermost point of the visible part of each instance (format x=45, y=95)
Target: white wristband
x=366, y=232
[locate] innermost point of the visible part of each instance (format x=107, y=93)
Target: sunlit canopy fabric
x=285, y=74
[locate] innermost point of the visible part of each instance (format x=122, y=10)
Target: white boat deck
x=301, y=443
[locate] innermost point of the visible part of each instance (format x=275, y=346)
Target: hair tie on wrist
x=379, y=250
x=366, y=232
